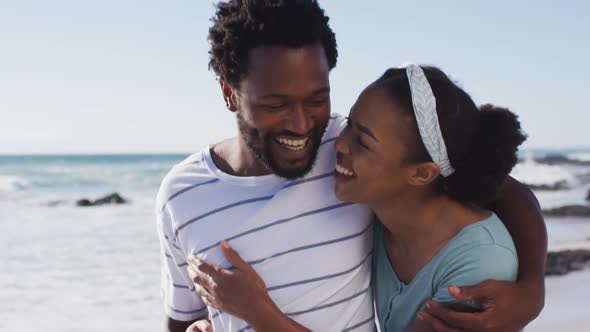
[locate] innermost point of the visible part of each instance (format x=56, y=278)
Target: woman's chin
x=343, y=194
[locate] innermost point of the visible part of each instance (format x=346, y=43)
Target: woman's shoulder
x=482, y=250
x=481, y=236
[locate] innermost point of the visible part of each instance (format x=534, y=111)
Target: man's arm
x=521, y=213
x=518, y=208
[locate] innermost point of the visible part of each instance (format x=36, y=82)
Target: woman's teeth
x=293, y=144
x=344, y=171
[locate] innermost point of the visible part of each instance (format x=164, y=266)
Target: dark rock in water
x=84, y=202
x=569, y=211
x=562, y=262
x=55, y=203
x=558, y=159
x=561, y=185
x=588, y=196
x=110, y=199
x=114, y=198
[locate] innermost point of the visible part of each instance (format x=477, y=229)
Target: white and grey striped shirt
x=312, y=250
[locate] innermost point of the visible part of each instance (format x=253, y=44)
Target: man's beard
x=261, y=148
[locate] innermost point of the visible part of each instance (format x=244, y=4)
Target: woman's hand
x=240, y=291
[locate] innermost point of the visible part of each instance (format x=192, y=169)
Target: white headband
x=427, y=118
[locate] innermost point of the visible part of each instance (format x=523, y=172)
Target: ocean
x=70, y=268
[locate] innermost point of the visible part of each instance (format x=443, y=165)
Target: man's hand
x=200, y=326
x=507, y=307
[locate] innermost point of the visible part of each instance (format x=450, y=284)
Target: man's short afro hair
x=240, y=25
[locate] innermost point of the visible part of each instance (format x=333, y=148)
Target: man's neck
x=232, y=156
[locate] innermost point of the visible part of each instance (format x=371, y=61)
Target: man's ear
x=424, y=173
x=229, y=95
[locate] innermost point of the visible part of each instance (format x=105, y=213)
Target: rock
x=563, y=262
x=110, y=199
x=55, y=203
x=569, y=211
x=114, y=198
x=560, y=160
x=588, y=196
x=561, y=185
x=84, y=202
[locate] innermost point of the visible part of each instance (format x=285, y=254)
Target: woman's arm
x=240, y=292
x=518, y=208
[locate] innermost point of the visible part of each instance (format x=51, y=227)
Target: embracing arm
x=520, y=212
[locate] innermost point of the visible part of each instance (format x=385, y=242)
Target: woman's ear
x=423, y=174
x=228, y=95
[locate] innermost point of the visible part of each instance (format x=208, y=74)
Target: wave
x=579, y=156
x=13, y=183
x=538, y=174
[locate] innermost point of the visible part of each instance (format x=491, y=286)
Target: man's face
x=283, y=106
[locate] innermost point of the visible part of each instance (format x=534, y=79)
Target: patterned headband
x=427, y=118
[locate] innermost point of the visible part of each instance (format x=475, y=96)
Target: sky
x=132, y=76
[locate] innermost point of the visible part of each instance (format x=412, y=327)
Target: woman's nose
x=341, y=143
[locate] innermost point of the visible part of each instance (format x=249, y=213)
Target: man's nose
x=301, y=121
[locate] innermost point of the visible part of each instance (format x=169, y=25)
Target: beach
x=71, y=268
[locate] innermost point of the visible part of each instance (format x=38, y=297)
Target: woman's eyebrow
x=366, y=131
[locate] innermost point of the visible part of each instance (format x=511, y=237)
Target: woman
x=424, y=158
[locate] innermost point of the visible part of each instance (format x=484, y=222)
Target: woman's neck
x=420, y=223
x=417, y=227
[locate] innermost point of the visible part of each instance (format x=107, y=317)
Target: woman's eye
x=360, y=142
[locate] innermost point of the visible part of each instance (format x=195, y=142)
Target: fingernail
x=225, y=244
x=427, y=305
x=420, y=317
x=456, y=289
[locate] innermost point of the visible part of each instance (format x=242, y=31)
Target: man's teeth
x=344, y=171
x=293, y=144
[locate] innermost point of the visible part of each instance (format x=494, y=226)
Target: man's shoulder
x=336, y=124
x=187, y=173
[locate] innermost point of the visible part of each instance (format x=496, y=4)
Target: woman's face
x=371, y=166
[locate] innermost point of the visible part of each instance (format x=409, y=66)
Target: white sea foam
x=533, y=173
x=12, y=183
x=79, y=269
x=579, y=156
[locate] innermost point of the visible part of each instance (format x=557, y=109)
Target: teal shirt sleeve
x=473, y=265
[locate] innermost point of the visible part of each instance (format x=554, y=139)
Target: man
x=269, y=191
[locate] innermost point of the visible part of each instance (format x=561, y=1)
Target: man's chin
x=291, y=173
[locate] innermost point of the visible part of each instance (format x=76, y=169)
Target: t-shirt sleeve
x=472, y=266
x=181, y=301
x=339, y=124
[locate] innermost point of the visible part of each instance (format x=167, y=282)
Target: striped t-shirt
x=312, y=250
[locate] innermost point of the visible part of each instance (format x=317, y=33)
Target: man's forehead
x=281, y=68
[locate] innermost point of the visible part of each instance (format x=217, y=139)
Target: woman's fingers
x=233, y=257
x=199, y=278
x=205, y=296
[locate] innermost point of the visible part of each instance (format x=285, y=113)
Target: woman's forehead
x=378, y=111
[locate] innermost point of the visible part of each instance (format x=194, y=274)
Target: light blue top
x=480, y=251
